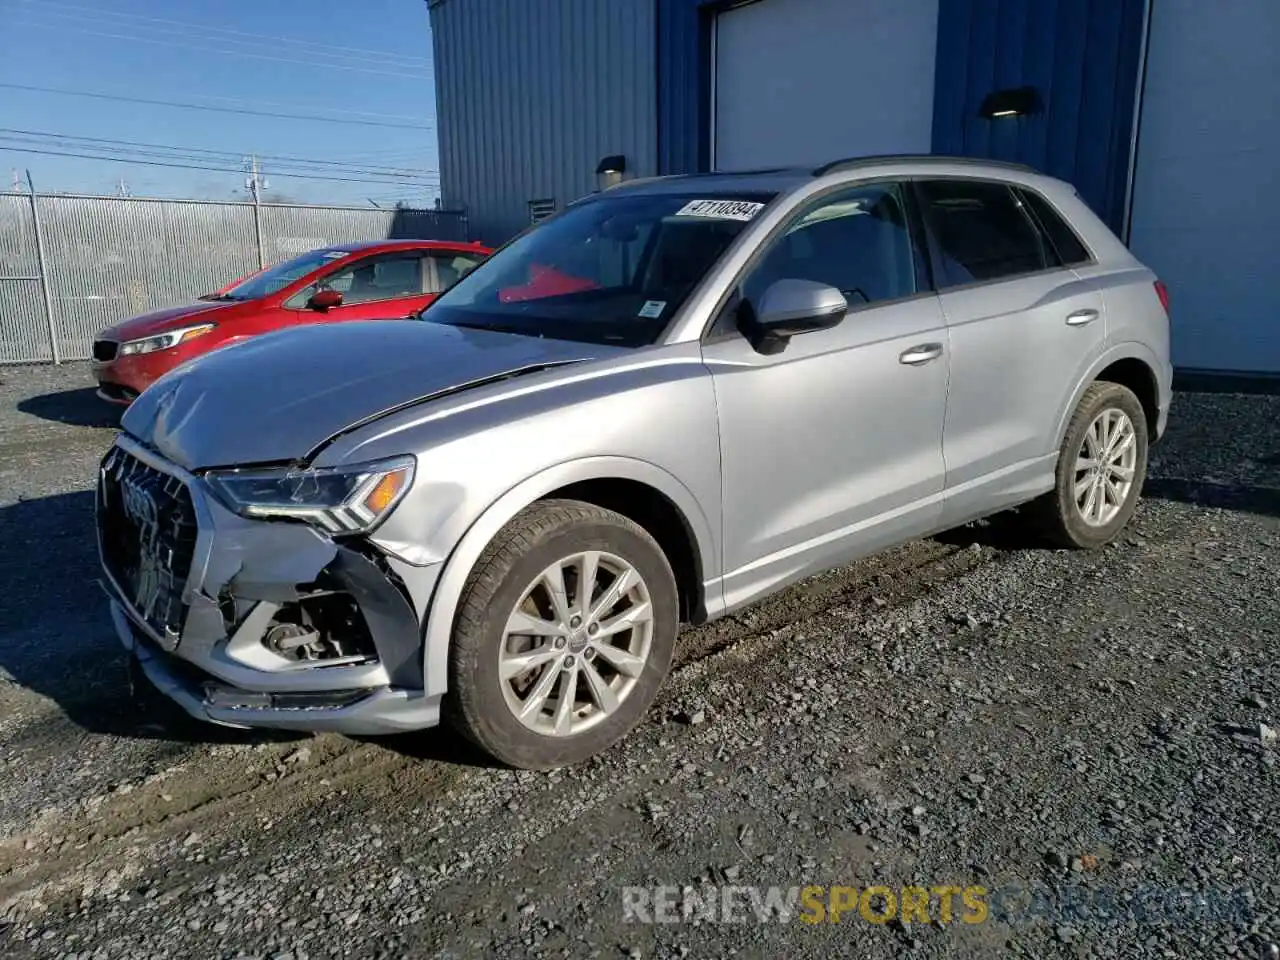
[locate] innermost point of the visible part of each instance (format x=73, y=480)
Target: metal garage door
x=805, y=81
x=1206, y=194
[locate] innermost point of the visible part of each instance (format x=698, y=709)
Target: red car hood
x=160, y=321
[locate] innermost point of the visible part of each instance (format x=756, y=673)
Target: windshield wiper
x=223, y=297
x=497, y=328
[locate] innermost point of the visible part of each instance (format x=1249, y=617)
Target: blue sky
x=366, y=60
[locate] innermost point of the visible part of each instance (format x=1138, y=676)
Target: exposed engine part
x=320, y=627
x=288, y=636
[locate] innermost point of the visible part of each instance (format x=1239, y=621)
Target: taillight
x=1163, y=293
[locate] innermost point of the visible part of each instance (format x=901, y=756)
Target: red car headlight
x=164, y=341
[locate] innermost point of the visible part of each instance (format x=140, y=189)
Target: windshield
x=277, y=277
x=611, y=270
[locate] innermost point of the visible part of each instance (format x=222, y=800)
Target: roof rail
x=752, y=172
x=853, y=163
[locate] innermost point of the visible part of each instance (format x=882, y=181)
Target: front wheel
x=564, y=634
x=1101, y=468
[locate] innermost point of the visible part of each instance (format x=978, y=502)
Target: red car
x=383, y=279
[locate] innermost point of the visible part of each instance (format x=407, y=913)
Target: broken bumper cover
x=198, y=634
x=381, y=710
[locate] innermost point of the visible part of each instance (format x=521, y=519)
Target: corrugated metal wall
x=108, y=258
x=684, y=84
x=290, y=230
x=530, y=96
x=1082, y=56
x=24, y=331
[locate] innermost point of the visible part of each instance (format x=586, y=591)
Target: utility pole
x=123, y=187
x=17, y=181
x=42, y=266
x=255, y=182
x=255, y=185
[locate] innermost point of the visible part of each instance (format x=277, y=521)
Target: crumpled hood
x=277, y=397
x=160, y=321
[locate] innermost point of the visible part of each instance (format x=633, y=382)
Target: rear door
x=1023, y=328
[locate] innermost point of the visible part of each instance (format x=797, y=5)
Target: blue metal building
x=1165, y=114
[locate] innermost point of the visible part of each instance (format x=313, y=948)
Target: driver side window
x=368, y=281
x=857, y=241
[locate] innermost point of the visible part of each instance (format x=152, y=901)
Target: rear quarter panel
x=1136, y=316
x=1137, y=326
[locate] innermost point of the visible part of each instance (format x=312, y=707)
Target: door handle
x=1081, y=317
x=921, y=353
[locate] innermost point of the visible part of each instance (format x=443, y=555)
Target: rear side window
x=450, y=268
x=1066, y=244
x=982, y=232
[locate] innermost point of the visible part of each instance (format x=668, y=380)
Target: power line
x=188, y=166
x=393, y=153
x=193, y=33
x=206, y=49
x=407, y=156
x=73, y=140
x=126, y=155
x=319, y=110
x=197, y=106
x=188, y=25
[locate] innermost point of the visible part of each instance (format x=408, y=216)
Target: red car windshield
x=613, y=269
x=280, y=275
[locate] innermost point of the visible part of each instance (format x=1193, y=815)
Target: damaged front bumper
x=255, y=623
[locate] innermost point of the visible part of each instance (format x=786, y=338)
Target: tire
x=483, y=705
x=1060, y=516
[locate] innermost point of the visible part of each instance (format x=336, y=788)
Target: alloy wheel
x=576, y=643
x=1105, y=467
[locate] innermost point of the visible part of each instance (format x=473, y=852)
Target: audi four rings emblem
x=139, y=504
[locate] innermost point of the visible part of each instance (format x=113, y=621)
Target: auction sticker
x=720, y=209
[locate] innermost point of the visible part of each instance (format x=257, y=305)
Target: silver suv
x=670, y=400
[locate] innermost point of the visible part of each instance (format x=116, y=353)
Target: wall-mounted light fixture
x=610, y=169
x=1014, y=102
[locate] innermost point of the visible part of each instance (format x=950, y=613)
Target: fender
x=1128, y=350
x=442, y=610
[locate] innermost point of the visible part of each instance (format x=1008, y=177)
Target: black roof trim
x=853, y=163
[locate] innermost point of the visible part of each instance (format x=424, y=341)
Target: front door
x=832, y=448
x=384, y=287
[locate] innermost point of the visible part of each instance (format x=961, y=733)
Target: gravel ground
x=1096, y=731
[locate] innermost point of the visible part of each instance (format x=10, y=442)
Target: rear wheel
x=564, y=635
x=1101, y=468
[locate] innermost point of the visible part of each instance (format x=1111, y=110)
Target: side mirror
x=323, y=300
x=791, y=307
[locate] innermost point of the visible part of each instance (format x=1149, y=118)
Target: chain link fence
x=72, y=265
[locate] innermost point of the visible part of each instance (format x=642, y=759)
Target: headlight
x=163, y=341
x=348, y=499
